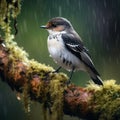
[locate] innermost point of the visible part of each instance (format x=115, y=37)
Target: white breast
x=55, y=46
x=59, y=53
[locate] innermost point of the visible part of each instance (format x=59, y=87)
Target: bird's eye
x=54, y=25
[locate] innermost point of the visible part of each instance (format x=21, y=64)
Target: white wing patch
x=73, y=47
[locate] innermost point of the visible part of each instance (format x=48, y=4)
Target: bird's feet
x=48, y=73
x=68, y=82
x=57, y=70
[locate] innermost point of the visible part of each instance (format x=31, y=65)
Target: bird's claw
x=68, y=82
x=57, y=70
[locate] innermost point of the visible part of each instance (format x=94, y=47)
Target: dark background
x=96, y=21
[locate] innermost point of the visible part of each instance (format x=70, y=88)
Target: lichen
x=106, y=100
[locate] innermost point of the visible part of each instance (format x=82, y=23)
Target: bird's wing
x=76, y=47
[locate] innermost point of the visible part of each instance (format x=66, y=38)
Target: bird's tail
x=95, y=77
x=97, y=80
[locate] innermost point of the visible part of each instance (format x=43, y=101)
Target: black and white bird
x=67, y=50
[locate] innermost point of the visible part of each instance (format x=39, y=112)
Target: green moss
x=8, y=10
x=53, y=106
x=57, y=87
x=16, y=7
x=26, y=97
x=106, y=100
x=38, y=67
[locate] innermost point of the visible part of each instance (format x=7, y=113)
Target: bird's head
x=58, y=24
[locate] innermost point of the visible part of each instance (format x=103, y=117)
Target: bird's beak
x=44, y=27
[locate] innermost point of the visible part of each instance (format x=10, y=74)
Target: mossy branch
x=37, y=82
x=24, y=75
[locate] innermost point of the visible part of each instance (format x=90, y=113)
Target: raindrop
x=35, y=15
x=60, y=11
x=79, y=4
x=94, y=14
x=117, y=61
x=18, y=95
x=25, y=26
x=105, y=5
x=103, y=20
x=49, y=13
x=115, y=26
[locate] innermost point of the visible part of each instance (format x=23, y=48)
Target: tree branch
x=92, y=102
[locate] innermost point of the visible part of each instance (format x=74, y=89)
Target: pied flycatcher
x=67, y=50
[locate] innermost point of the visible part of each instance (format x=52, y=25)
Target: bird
x=67, y=49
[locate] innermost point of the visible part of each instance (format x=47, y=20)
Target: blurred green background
x=96, y=21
